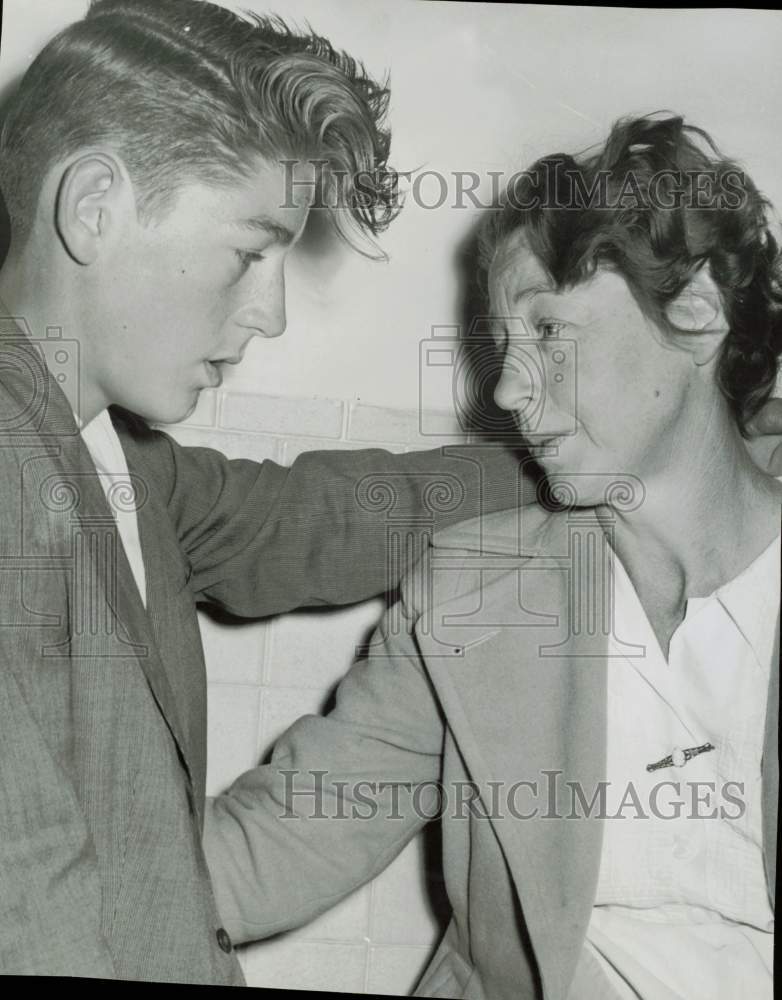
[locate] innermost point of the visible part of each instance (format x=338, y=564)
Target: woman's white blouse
x=682, y=906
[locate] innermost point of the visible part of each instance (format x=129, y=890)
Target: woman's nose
x=516, y=389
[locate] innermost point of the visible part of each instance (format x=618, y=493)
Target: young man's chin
x=169, y=411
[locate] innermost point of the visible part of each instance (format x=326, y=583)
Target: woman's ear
x=698, y=310
x=87, y=201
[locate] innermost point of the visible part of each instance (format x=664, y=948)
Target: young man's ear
x=698, y=311
x=90, y=200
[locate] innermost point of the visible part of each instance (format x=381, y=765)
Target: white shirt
x=682, y=907
x=106, y=451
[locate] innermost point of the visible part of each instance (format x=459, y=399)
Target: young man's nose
x=264, y=314
x=261, y=322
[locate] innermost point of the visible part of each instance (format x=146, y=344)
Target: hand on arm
x=341, y=797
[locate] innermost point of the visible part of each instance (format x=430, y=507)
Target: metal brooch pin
x=678, y=758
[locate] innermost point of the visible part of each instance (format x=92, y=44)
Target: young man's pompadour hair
x=188, y=90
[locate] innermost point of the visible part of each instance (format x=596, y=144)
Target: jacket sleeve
x=341, y=797
x=335, y=527
x=50, y=895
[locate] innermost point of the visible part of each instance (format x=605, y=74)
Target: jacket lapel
x=173, y=624
x=526, y=700
x=522, y=679
x=107, y=616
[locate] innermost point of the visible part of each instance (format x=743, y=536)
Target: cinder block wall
x=263, y=676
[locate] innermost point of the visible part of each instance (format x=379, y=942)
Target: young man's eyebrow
x=262, y=223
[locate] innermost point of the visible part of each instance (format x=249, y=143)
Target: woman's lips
x=546, y=442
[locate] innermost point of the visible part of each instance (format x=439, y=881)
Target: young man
x=140, y=162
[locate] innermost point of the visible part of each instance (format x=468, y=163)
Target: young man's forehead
x=250, y=205
x=274, y=196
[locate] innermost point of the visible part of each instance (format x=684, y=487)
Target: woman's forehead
x=516, y=271
x=517, y=275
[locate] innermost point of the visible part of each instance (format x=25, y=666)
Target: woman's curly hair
x=657, y=202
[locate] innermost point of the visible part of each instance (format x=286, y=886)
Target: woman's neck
x=705, y=517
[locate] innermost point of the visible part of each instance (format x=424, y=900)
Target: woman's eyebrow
x=579, y=309
x=530, y=293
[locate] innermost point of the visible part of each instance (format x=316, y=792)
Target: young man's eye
x=248, y=257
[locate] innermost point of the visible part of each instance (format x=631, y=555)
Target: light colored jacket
x=495, y=673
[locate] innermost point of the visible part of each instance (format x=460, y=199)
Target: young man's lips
x=214, y=373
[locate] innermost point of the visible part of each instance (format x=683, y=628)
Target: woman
x=588, y=695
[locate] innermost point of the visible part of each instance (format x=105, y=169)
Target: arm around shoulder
x=263, y=538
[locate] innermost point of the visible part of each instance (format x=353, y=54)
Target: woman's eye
x=549, y=328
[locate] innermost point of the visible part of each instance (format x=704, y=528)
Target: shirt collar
x=752, y=598
x=101, y=419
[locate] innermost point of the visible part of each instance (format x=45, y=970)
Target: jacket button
x=224, y=940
